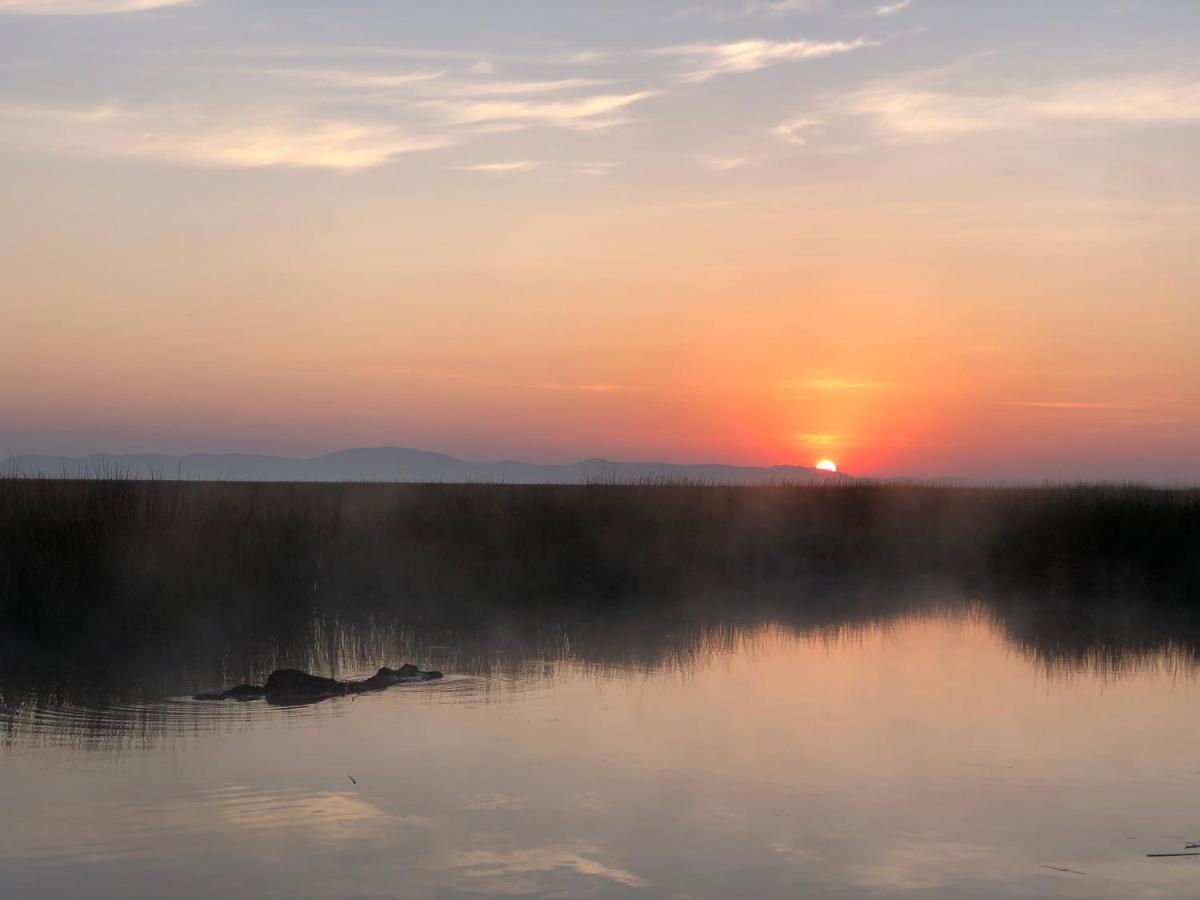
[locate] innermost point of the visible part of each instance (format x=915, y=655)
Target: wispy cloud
x=476, y=61
x=796, y=131
x=520, y=165
x=818, y=439
x=751, y=55
x=428, y=83
x=890, y=9
x=190, y=137
x=1134, y=411
x=82, y=7
x=584, y=113
x=835, y=384
x=785, y=7
x=770, y=9
x=596, y=388
x=352, y=79
x=723, y=163
x=1081, y=405
x=514, y=88
x=413, y=372
x=331, y=145
x=593, y=168
x=908, y=111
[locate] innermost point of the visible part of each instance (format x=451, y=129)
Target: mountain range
x=394, y=464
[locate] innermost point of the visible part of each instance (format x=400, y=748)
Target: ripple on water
x=33, y=722
x=203, y=818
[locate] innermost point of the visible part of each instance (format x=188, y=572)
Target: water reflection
x=122, y=695
x=932, y=749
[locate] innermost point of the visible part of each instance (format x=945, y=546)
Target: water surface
x=926, y=755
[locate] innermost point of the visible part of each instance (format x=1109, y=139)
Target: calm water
x=924, y=756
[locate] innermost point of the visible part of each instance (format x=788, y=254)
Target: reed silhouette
x=206, y=583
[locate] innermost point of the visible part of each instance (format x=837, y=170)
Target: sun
x=827, y=465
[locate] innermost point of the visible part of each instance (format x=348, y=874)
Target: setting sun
x=827, y=465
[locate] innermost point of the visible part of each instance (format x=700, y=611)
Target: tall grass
x=94, y=562
x=113, y=588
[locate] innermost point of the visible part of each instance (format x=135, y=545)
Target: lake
x=942, y=750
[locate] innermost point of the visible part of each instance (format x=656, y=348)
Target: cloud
x=471, y=60
x=354, y=80
x=836, y=384
x=818, y=439
x=723, y=163
x=794, y=130
x=750, y=55
x=1137, y=411
x=598, y=388
x=585, y=113
x=594, y=168
x=250, y=140
x=413, y=371
x=426, y=83
x=1080, y=405
x=771, y=9
x=909, y=112
x=82, y=7
x=890, y=9
x=508, y=88
x=521, y=165
x=784, y=7
x=331, y=145
x=1136, y=100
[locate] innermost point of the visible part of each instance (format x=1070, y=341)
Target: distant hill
x=394, y=464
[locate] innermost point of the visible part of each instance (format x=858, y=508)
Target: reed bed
x=94, y=559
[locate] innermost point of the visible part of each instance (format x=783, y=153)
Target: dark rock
x=431, y=675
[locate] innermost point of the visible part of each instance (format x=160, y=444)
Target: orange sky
x=954, y=247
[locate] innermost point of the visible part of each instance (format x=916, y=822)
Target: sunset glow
x=827, y=465
x=945, y=240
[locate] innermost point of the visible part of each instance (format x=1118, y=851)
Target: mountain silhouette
x=394, y=464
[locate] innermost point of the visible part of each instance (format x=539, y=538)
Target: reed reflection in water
x=934, y=751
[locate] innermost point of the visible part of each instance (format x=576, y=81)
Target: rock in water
x=294, y=686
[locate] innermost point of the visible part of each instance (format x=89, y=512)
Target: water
x=926, y=754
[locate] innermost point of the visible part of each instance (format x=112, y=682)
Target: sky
x=922, y=237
